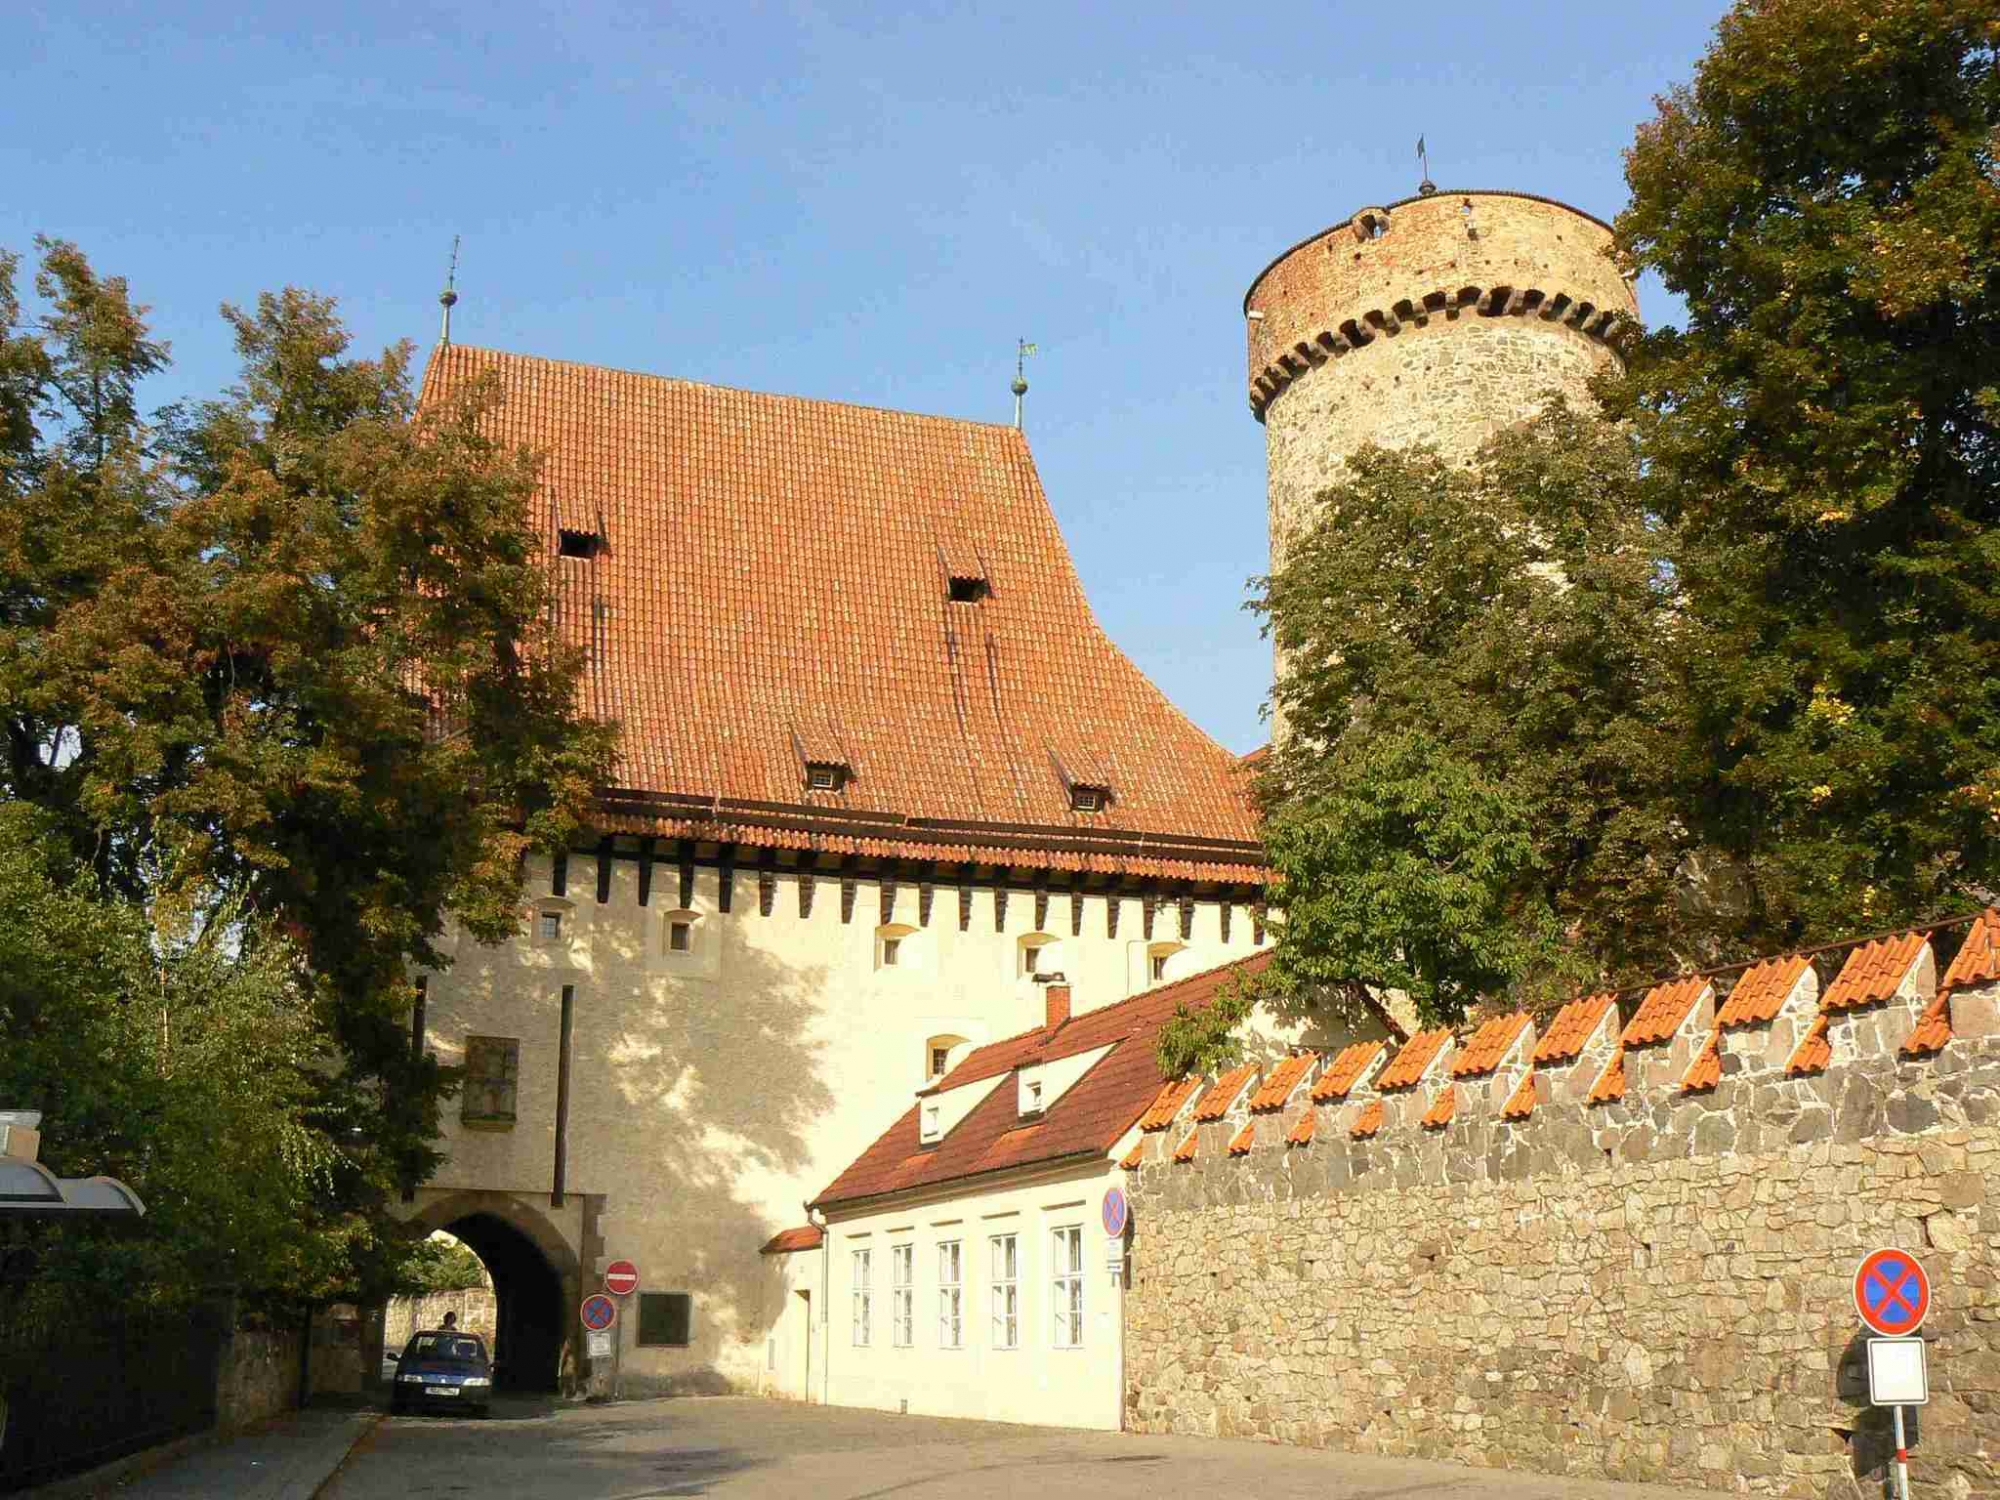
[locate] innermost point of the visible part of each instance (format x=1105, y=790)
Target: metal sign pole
x=1902, y=1458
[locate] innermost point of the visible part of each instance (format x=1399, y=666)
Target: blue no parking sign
x=599, y=1313
x=1891, y=1292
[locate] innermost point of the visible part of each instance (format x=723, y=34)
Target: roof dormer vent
x=826, y=775
x=578, y=543
x=968, y=590
x=1087, y=798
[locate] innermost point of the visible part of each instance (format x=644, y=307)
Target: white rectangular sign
x=598, y=1342
x=1897, y=1375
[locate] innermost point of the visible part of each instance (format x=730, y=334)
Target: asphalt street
x=639, y=1450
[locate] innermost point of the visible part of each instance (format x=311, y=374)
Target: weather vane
x=1426, y=186
x=1022, y=349
x=448, y=296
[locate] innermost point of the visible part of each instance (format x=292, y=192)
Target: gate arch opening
x=530, y=1311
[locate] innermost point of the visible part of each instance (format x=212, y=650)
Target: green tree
x=283, y=654
x=1821, y=438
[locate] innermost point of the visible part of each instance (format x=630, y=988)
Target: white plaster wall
x=1037, y=1382
x=713, y=1093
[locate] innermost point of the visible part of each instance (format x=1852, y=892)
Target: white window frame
x=1004, y=1289
x=903, y=1294
x=951, y=1294
x=863, y=1300
x=1066, y=1283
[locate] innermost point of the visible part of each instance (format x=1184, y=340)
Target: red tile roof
x=1282, y=1080
x=1417, y=1055
x=1611, y=1082
x=1368, y=1121
x=1301, y=1133
x=1245, y=1139
x=1978, y=961
x=1184, y=1152
x=1488, y=1047
x=1134, y=1158
x=1166, y=1105
x=1814, y=1051
x=772, y=587
x=1091, y=1116
x=1705, y=1072
x=1573, y=1026
x=1761, y=992
x=788, y=1241
x=1663, y=1010
x=1346, y=1070
x=1522, y=1104
x=1873, y=972
x=1224, y=1092
x=1442, y=1108
x=1933, y=1028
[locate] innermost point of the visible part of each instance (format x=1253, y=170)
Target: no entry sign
x=621, y=1278
x=1891, y=1292
x=599, y=1312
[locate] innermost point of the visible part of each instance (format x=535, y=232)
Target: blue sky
x=865, y=203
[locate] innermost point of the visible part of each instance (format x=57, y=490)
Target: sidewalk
x=288, y=1458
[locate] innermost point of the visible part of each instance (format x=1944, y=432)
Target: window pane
x=666, y=1318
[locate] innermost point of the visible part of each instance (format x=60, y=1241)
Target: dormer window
x=578, y=543
x=969, y=590
x=932, y=1127
x=1031, y=1098
x=825, y=775
x=1089, y=799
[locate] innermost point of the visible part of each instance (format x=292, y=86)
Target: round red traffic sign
x=599, y=1313
x=1115, y=1213
x=621, y=1278
x=1891, y=1292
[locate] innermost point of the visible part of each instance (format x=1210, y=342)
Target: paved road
x=646, y=1450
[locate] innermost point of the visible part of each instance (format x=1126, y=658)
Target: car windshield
x=445, y=1346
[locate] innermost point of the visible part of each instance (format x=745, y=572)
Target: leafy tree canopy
x=278, y=660
x=1821, y=437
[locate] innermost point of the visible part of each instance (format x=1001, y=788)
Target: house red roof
x=1346, y=1070
x=1488, y=1047
x=1762, y=991
x=1285, y=1077
x=1874, y=971
x=1663, y=1010
x=1978, y=961
x=1090, y=1117
x=770, y=585
x=787, y=1241
x=1572, y=1026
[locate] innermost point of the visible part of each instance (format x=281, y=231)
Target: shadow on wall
x=722, y=1075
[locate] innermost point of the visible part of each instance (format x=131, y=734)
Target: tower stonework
x=1442, y=319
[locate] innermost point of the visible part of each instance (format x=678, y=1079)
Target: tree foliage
x=1822, y=439
x=280, y=659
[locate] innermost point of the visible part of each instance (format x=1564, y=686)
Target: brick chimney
x=1056, y=994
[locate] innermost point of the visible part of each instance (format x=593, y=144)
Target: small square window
x=549, y=927
x=492, y=1071
x=1088, y=798
x=825, y=776
x=931, y=1124
x=1159, y=967
x=891, y=949
x=680, y=937
x=940, y=1060
x=666, y=1319
x=1034, y=1098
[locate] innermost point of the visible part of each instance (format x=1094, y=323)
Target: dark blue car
x=443, y=1369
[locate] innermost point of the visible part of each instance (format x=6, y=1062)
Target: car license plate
x=444, y=1390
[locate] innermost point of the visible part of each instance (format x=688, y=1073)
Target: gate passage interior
x=529, y=1312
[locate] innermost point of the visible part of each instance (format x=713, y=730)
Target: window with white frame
x=902, y=1295
x=1006, y=1291
x=951, y=1297
x=1066, y=1251
x=864, y=1311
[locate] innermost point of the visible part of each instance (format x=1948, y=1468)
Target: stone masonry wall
x=1657, y=1288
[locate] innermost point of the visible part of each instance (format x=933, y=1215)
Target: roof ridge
x=734, y=390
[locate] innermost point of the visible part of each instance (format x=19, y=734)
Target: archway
x=531, y=1314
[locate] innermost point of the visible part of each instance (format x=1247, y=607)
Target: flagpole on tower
x=1426, y=186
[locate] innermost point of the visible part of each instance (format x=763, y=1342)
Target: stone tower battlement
x=1441, y=319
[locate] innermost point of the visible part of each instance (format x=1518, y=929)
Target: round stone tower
x=1440, y=319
